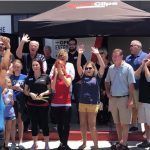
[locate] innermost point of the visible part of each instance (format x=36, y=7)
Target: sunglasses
x=88, y=68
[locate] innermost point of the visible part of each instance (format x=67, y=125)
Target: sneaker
x=114, y=146
x=133, y=129
x=144, y=144
x=60, y=147
x=13, y=146
x=122, y=147
x=66, y=147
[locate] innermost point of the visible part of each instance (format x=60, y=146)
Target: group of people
x=45, y=84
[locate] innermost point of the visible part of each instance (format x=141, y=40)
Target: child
x=9, y=113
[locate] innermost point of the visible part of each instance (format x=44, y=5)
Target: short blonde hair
x=62, y=52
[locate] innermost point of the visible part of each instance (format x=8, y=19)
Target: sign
x=58, y=44
x=5, y=23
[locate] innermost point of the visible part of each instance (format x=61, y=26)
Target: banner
x=58, y=44
x=5, y=23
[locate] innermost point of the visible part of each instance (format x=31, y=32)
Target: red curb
x=76, y=135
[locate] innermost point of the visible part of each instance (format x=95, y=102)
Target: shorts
x=144, y=113
x=120, y=112
x=10, y=118
x=88, y=107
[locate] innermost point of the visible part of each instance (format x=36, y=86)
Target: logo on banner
x=93, y=5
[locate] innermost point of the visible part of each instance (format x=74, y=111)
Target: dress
x=9, y=112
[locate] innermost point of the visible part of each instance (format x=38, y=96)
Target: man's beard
x=72, y=50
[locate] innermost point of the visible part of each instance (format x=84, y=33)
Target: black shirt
x=72, y=58
x=50, y=62
x=144, y=89
x=37, y=86
x=27, y=61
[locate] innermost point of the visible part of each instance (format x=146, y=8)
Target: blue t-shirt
x=135, y=62
x=90, y=90
x=18, y=80
x=2, y=108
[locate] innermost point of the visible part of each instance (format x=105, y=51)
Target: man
x=72, y=58
x=143, y=74
x=28, y=57
x=135, y=60
x=50, y=61
x=119, y=84
x=4, y=65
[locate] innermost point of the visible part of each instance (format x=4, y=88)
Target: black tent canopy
x=88, y=18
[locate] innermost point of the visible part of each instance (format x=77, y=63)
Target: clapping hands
x=147, y=62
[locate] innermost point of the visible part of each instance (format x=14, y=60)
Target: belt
x=120, y=96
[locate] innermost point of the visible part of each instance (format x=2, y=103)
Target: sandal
x=114, y=146
x=34, y=147
x=94, y=147
x=47, y=147
x=82, y=147
x=122, y=147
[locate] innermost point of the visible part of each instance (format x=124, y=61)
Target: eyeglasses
x=71, y=44
x=88, y=68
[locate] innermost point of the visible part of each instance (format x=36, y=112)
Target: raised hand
x=25, y=38
x=95, y=50
x=6, y=41
x=81, y=48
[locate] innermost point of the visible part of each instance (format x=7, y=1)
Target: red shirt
x=62, y=94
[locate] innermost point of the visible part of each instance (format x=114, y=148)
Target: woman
x=61, y=102
x=37, y=87
x=89, y=99
x=63, y=56
x=18, y=84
